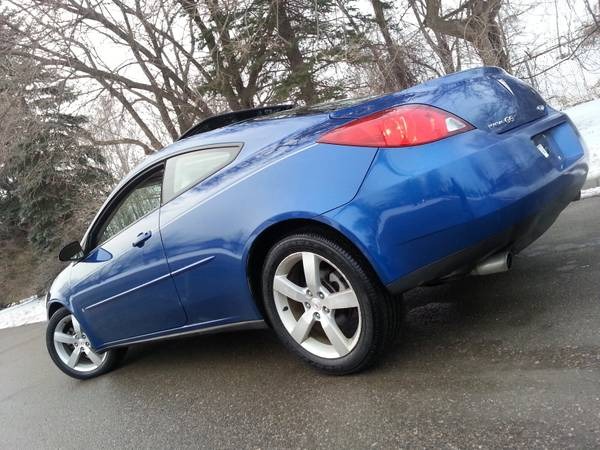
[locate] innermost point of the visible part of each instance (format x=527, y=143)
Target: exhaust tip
x=500, y=262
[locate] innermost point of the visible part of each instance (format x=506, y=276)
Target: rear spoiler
x=221, y=120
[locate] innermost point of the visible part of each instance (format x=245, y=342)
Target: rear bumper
x=426, y=212
x=514, y=239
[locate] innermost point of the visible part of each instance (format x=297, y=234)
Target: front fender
x=59, y=292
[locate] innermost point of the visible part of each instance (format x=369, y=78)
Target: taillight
x=401, y=126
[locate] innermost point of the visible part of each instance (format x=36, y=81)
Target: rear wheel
x=70, y=349
x=326, y=306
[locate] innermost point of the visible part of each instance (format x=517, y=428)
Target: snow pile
x=30, y=310
x=586, y=117
x=592, y=192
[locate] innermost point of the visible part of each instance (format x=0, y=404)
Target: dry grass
x=22, y=274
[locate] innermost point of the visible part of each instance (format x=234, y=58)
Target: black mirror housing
x=71, y=252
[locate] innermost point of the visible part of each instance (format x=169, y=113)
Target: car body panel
x=263, y=142
x=412, y=211
x=487, y=97
x=417, y=214
x=262, y=136
x=130, y=294
x=207, y=243
x=219, y=221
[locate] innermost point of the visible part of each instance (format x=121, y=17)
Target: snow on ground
x=586, y=117
x=592, y=192
x=30, y=310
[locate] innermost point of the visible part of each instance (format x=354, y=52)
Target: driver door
x=123, y=289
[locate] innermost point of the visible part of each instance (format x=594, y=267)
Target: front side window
x=142, y=199
x=184, y=171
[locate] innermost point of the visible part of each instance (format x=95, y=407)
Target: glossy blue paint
x=130, y=294
x=414, y=210
x=98, y=255
x=221, y=218
x=404, y=209
x=475, y=95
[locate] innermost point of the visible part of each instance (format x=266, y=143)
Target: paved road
x=512, y=361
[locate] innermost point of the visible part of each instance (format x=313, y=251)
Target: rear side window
x=184, y=171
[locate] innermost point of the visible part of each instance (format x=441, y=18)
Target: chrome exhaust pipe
x=500, y=262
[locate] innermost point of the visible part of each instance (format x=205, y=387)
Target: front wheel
x=326, y=305
x=71, y=351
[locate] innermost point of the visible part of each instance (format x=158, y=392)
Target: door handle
x=141, y=238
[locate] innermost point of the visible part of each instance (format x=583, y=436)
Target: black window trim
x=116, y=199
x=115, y=202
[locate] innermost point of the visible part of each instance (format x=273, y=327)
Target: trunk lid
x=487, y=97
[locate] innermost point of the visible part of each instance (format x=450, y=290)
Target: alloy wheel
x=73, y=347
x=317, y=305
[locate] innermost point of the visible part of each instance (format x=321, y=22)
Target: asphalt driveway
x=510, y=360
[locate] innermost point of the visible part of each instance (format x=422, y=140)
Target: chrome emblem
x=504, y=121
x=540, y=108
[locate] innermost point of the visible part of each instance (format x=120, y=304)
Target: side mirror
x=71, y=252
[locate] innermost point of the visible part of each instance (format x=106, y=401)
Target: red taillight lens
x=402, y=126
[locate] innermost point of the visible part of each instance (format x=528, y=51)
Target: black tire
x=381, y=313
x=113, y=357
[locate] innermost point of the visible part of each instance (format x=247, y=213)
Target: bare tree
x=107, y=124
x=182, y=60
x=398, y=57
x=378, y=41
x=176, y=57
x=438, y=42
x=65, y=36
x=475, y=21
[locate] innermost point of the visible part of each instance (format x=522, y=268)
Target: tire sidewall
x=106, y=365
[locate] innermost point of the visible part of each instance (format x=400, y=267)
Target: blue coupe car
x=315, y=220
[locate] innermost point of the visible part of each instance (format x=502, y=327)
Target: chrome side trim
x=191, y=266
x=162, y=277
x=129, y=291
x=247, y=325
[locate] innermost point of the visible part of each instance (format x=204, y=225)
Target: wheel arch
x=272, y=234
x=53, y=306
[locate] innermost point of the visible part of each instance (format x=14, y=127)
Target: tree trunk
x=402, y=73
x=480, y=28
x=299, y=69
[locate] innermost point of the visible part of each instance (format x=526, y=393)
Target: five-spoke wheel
x=326, y=305
x=71, y=350
x=73, y=346
x=317, y=304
